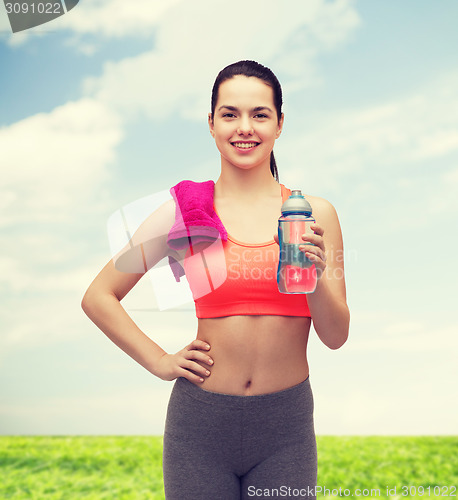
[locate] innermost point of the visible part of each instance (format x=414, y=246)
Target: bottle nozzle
x=296, y=203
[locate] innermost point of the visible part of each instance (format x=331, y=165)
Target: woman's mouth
x=245, y=145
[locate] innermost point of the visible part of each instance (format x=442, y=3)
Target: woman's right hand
x=181, y=364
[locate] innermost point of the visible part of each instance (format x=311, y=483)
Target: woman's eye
x=228, y=115
x=261, y=115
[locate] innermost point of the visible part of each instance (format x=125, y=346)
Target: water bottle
x=296, y=273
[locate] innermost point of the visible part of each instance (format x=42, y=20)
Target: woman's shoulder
x=323, y=210
x=320, y=204
x=164, y=215
x=168, y=209
x=160, y=222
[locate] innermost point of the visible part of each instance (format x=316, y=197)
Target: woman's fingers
x=189, y=361
x=199, y=344
x=195, y=367
x=195, y=352
x=188, y=374
x=316, y=238
x=186, y=363
x=190, y=369
x=317, y=229
x=313, y=251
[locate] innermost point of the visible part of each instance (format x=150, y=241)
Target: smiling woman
x=235, y=91
x=241, y=408
x=243, y=133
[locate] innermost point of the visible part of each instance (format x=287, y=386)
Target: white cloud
x=53, y=168
x=51, y=161
x=444, y=201
x=402, y=334
x=195, y=40
x=101, y=18
x=326, y=22
x=136, y=411
x=388, y=152
x=4, y=22
x=409, y=129
x=451, y=177
x=116, y=18
x=20, y=273
x=386, y=409
x=378, y=382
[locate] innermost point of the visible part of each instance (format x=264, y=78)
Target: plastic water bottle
x=296, y=273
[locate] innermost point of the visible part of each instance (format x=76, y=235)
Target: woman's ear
x=210, y=124
x=280, y=125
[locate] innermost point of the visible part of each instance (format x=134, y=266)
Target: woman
x=240, y=417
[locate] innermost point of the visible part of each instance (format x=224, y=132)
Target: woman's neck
x=252, y=184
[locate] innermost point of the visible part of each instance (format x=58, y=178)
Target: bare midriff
x=255, y=354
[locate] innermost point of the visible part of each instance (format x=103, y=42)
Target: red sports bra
x=231, y=278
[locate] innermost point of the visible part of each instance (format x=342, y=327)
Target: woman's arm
x=102, y=301
x=328, y=304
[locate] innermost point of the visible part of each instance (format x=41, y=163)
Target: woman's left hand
x=316, y=253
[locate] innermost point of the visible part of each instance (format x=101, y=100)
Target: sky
x=107, y=106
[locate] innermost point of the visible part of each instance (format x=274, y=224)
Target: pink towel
x=195, y=219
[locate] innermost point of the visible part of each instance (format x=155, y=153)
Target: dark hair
x=251, y=68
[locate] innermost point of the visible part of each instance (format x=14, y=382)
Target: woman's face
x=245, y=123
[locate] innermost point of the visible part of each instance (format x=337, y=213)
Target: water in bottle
x=296, y=273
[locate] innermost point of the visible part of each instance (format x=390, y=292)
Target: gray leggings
x=229, y=447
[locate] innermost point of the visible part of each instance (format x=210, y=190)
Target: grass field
x=125, y=468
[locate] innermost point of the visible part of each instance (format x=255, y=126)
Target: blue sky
x=108, y=104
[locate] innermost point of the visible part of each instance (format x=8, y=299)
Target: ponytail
x=273, y=166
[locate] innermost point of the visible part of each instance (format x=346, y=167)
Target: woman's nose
x=245, y=127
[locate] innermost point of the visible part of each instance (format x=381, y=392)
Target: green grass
x=89, y=467
x=380, y=462
x=129, y=467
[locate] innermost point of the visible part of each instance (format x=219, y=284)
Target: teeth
x=245, y=145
